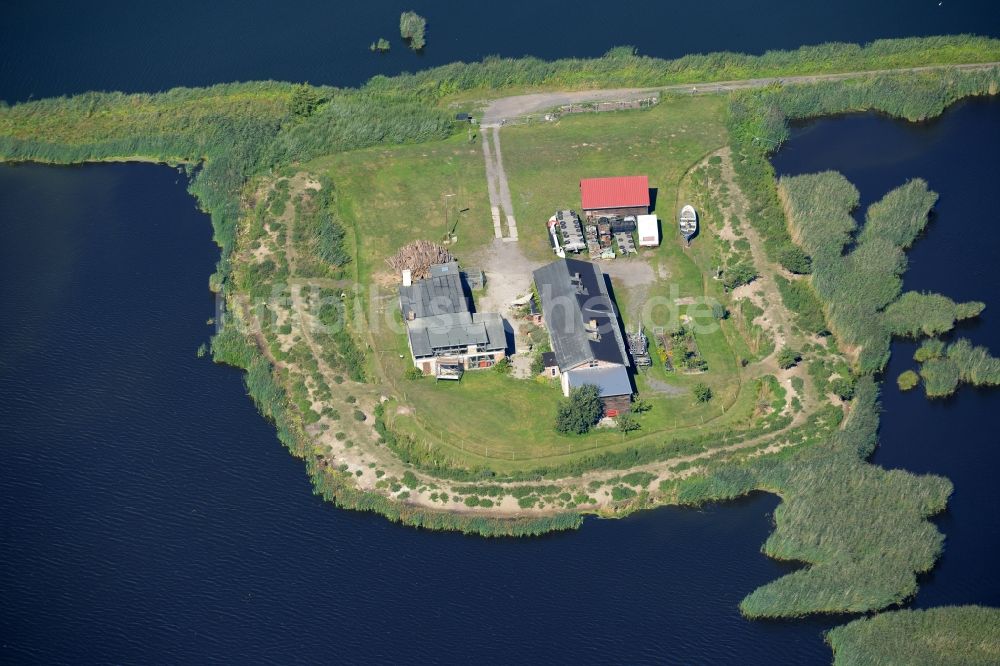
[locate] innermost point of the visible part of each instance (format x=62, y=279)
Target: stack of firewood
x=418, y=257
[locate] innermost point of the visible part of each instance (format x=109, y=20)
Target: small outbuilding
x=534, y=314
x=550, y=364
x=649, y=230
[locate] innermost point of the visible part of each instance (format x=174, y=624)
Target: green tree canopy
x=580, y=411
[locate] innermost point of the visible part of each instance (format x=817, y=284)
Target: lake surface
x=57, y=47
x=148, y=513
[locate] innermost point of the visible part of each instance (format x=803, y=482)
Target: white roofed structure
x=649, y=230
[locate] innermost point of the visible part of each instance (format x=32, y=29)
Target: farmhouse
x=622, y=195
x=445, y=336
x=585, y=332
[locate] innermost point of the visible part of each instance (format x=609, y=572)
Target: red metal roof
x=618, y=192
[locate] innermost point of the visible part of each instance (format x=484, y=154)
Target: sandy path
x=509, y=108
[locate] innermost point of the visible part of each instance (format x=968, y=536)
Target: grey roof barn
x=579, y=314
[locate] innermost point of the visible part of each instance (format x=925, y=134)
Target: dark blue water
x=957, y=256
x=56, y=47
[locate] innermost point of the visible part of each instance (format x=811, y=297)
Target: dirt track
x=509, y=108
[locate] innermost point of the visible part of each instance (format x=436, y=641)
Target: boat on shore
x=688, y=223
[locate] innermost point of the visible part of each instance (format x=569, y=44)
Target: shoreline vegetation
x=861, y=532
x=959, y=635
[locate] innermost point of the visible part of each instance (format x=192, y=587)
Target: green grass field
x=545, y=162
x=392, y=196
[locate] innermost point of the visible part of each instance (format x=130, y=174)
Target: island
x=501, y=339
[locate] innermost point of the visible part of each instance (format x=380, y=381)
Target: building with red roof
x=621, y=195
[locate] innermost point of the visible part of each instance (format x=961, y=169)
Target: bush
x=787, y=358
x=503, y=366
x=793, y=258
x=843, y=387
x=580, y=411
x=620, y=493
x=739, y=275
x=537, y=364
x=413, y=373
x=702, y=392
x=907, y=380
x=359, y=415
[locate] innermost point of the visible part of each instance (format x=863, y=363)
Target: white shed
x=649, y=230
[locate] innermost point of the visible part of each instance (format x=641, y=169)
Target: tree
x=719, y=311
x=580, y=411
x=627, y=423
x=843, y=387
x=787, y=358
x=305, y=99
x=411, y=28
x=702, y=392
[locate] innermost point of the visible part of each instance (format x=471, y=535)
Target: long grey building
x=584, y=328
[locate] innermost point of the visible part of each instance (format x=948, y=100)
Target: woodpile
x=418, y=257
